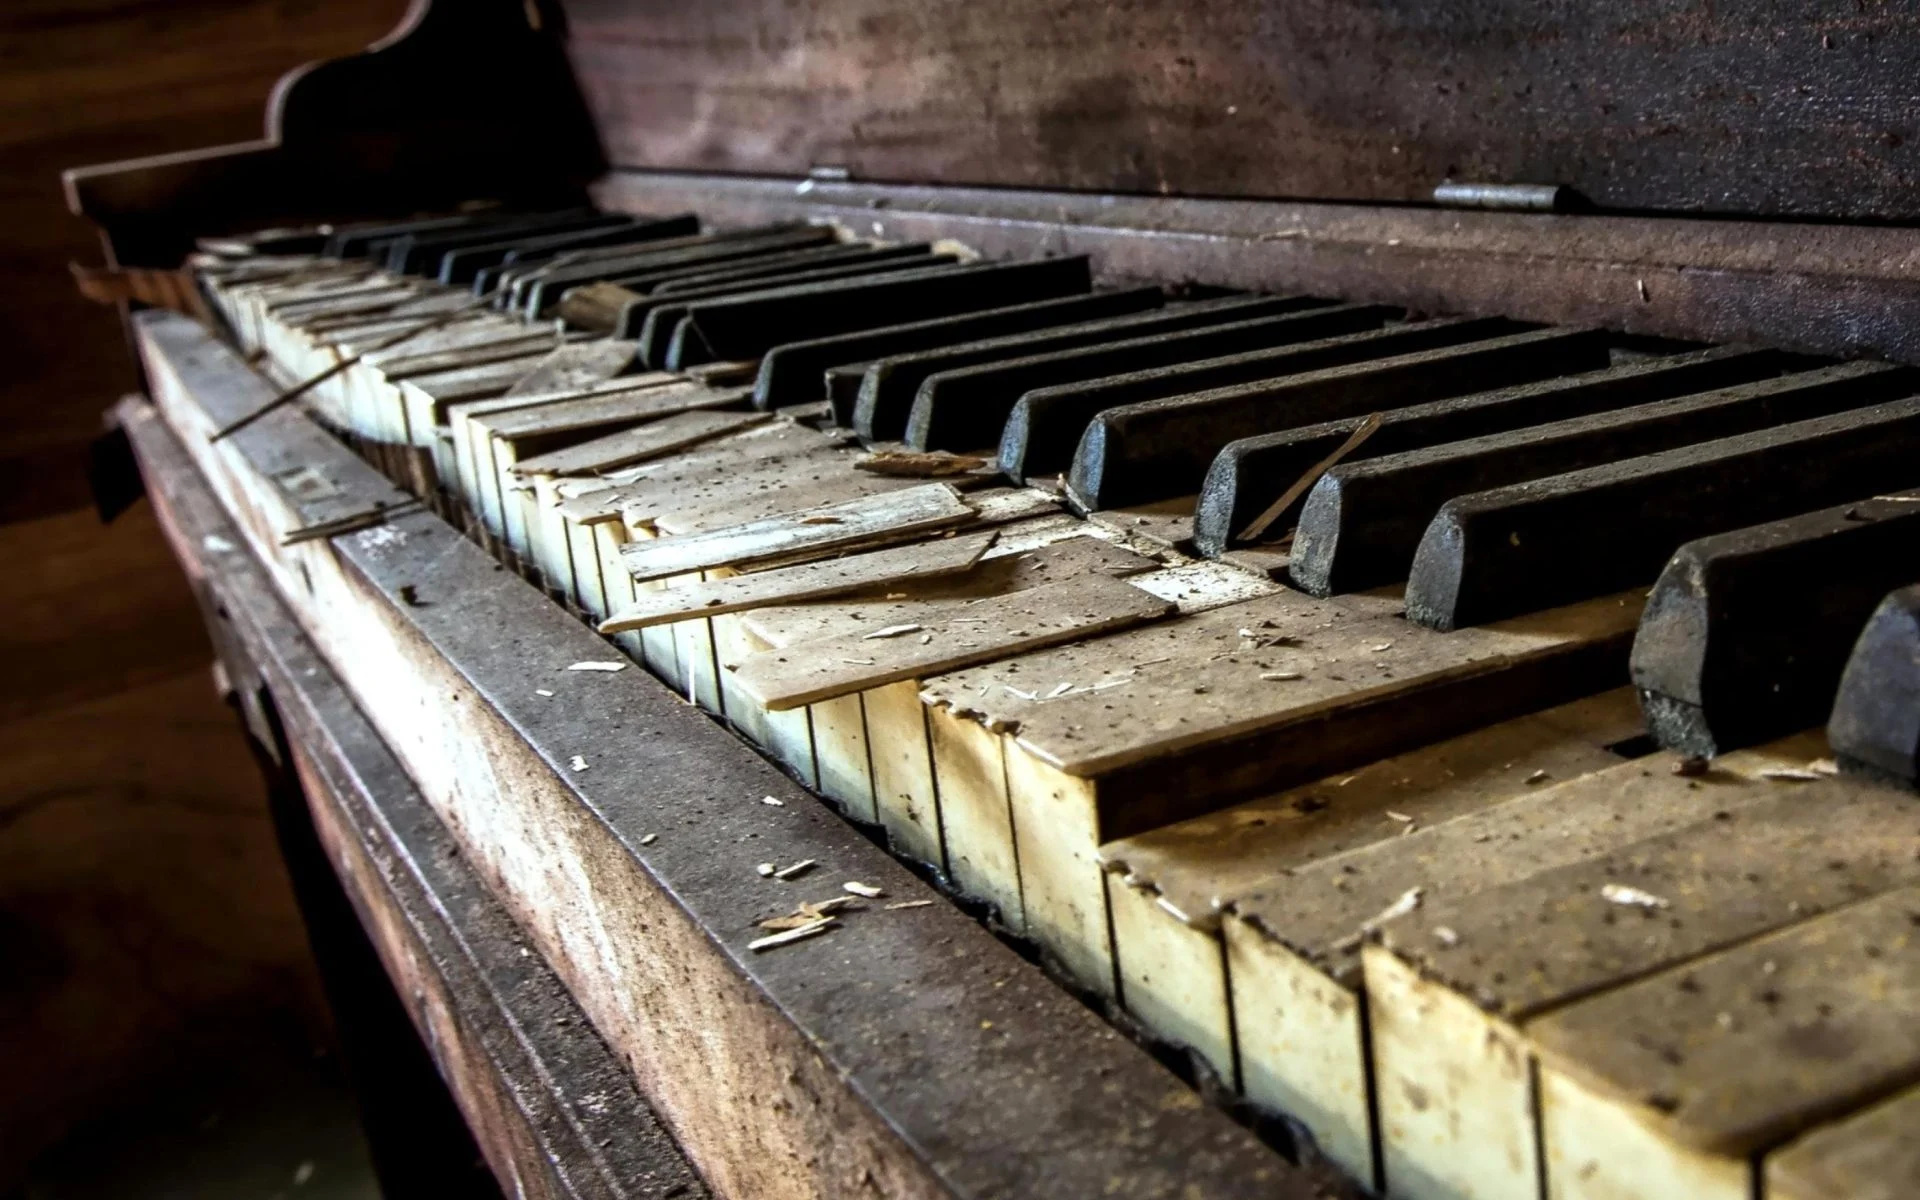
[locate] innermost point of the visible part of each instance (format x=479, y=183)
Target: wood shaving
x=1790, y=774
x=543, y=691
x=765, y=870
x=797, y=869
x=773, y=801
x=1382, y=646
x=821, y=521
x=1408, y=901
x=1824, y=766
x=1690, y=767
x=1061, y=690
x=650, y=839
x=908, y=464
x=858, y=662
x=1401, y=817
x=1445, y=935
x=1281, y=676
x=1538, y=777
x=893, y=631
x=608, y=667
x=775, y=940
x=908, y=904
x=577, y=763
x=1631, y=897
x=865, y=890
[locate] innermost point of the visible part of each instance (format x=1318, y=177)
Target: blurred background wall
x=147, y=933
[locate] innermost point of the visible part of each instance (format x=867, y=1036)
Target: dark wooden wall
x=144, y=918
x=1760, y=107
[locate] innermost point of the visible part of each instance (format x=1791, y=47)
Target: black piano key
x=1362, y=521
x=682, y=257
x=892, y=386
x=1568, y=537
x=509, y=277
x=1044, y=429
x=744, y=328
x=801, y=267
x=790, y=373
x=1161, y=449
x=1875, y=728
x=354, y=241
x=663, y=315
x=644, y=269
x=420, y=253
x=1746, y=633
x=828, y=255
x=459, y=267
x=1249, y=475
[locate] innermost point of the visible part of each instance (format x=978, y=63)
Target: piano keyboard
x=1422, y=720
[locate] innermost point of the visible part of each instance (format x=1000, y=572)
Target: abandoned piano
x=1192, y=600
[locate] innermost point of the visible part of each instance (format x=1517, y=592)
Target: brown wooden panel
x=1773, y=107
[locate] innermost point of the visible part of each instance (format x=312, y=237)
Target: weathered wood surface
x=822, y=1069
x=1007, y=625
x=1764, y=111
x=805, y=581
x=552, y=1106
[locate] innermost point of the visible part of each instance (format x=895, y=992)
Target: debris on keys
x=797, y=869
x=775, y=940
x=1401, y=817
x=1281, y=676
x=1408, y=901
x=893, y=631
x=908, y=904
x=807, y=914
x=909, y=464
x=543, y=691
x=865, y=890
x=1445, y=935
x=1538, y=777
x=1824, y=766
x=765, y=870
x=598, y=666
x=1632, y=897
x=1690, y=767
x=773, y=802
x=1790, y=774
x=578, y=763
x=650, y=839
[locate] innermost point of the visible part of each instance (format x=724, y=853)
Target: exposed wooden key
x=1006, y=625
x=1746, y=633
x=1678, y=1084
x=1250, y=474
x=790, y=373
x=968, y=408
x=806, y=581
x=1875, y=728
x=867, y=521
x=748, y=328
x=658, y=316
x=1361, y=523
x=1046, y=425
x=1532, y=545
x=887, y=394
x=1161, y=448
x=1450, y=1012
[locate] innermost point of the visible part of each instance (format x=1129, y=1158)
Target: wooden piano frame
x=400, y=672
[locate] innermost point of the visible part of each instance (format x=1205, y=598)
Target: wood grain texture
x=1771, y=109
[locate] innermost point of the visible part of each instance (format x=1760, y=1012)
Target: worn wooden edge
x=1819, y=288
x=906, y=1053
x=551, y=1106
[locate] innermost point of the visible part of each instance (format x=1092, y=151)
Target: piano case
x=495, y=803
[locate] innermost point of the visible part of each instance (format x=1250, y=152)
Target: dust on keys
x=1265, y=661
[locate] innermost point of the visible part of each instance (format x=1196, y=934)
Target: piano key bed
x=1487, y=746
